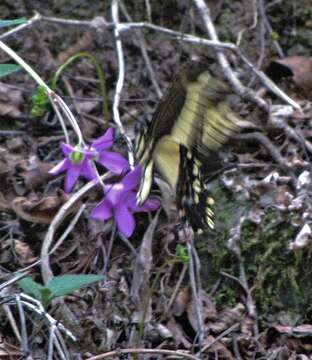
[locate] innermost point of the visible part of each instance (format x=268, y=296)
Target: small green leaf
x=46, y=296
x=66, y=284
x=4, y=23
x=40, y=102
x=275, y=36
x=182, y=254
x=6, y=69
x=30, y=287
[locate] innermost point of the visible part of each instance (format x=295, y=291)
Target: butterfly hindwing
x=193, y=199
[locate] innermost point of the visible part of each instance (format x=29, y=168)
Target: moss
x=278, y=277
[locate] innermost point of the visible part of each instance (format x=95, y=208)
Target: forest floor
x=242, y=291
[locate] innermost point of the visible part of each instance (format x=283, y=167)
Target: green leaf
x=66, y=284
x=6, y=69
x=4, y=23
x=46, y=296
x=182, y=254
x=31, y=287
x=40, y=102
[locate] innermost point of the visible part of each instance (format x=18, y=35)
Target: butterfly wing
x=193, y=199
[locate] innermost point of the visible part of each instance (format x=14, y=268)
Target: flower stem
x=100, y=74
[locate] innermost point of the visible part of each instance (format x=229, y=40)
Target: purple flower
x=120, y=203
x=78, y=160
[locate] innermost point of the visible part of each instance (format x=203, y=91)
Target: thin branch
x=100, y=22
x=37, y=307
x=196, y=292
x=144, y=351
x=267, y=144
x=36, y=18
x=120, y=81
x=238, y=87
x=46, y=271
x=142, y=46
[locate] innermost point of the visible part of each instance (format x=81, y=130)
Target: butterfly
x=191, y=123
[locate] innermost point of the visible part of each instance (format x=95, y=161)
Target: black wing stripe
x=193, y=199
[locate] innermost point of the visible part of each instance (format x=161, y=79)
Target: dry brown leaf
x=301, y=69
x=10, y=101
x=181, y=300
x=247, y=325
x=217, y=348
x=142, y=273
x=37, y=175
x=5, y=205
x=296, y=331
x=24, y=252
x=9, y=351
x=227, y=318
x=39, y=211
x=178, y=334
x=209, y=311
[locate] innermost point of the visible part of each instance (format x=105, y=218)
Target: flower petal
x=113, y=161
x=132, y=179
x=150, y=204
x=66, y=149
x=130, y=200
x=102, y=211
x=60, y=167
x=88, y=170
x=114, y=193
x=104, y=142
x=124, y=220
x=73, y=172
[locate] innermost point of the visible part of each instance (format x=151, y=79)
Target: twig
x=130, y=26
x=37, y=307
x=142, y=46
x=24, y=337
x=253, y=25
x=12, y=321
x=68, y=229
x=128, y=243
x=222, y=60
x=235, y=247
x=13, y=280
x=236, y=349
x=100, y=22
x=19, y=28
x=55, y=327
x=219, y=337
x=109, y=251
x=262, y=34
x=144, y=351
x=267, y=144
x=120, y=81
x=148, y=10
x=196, y=292
x=46, y=271
x=267, y=24
x=177, y=287
x=229, y=74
